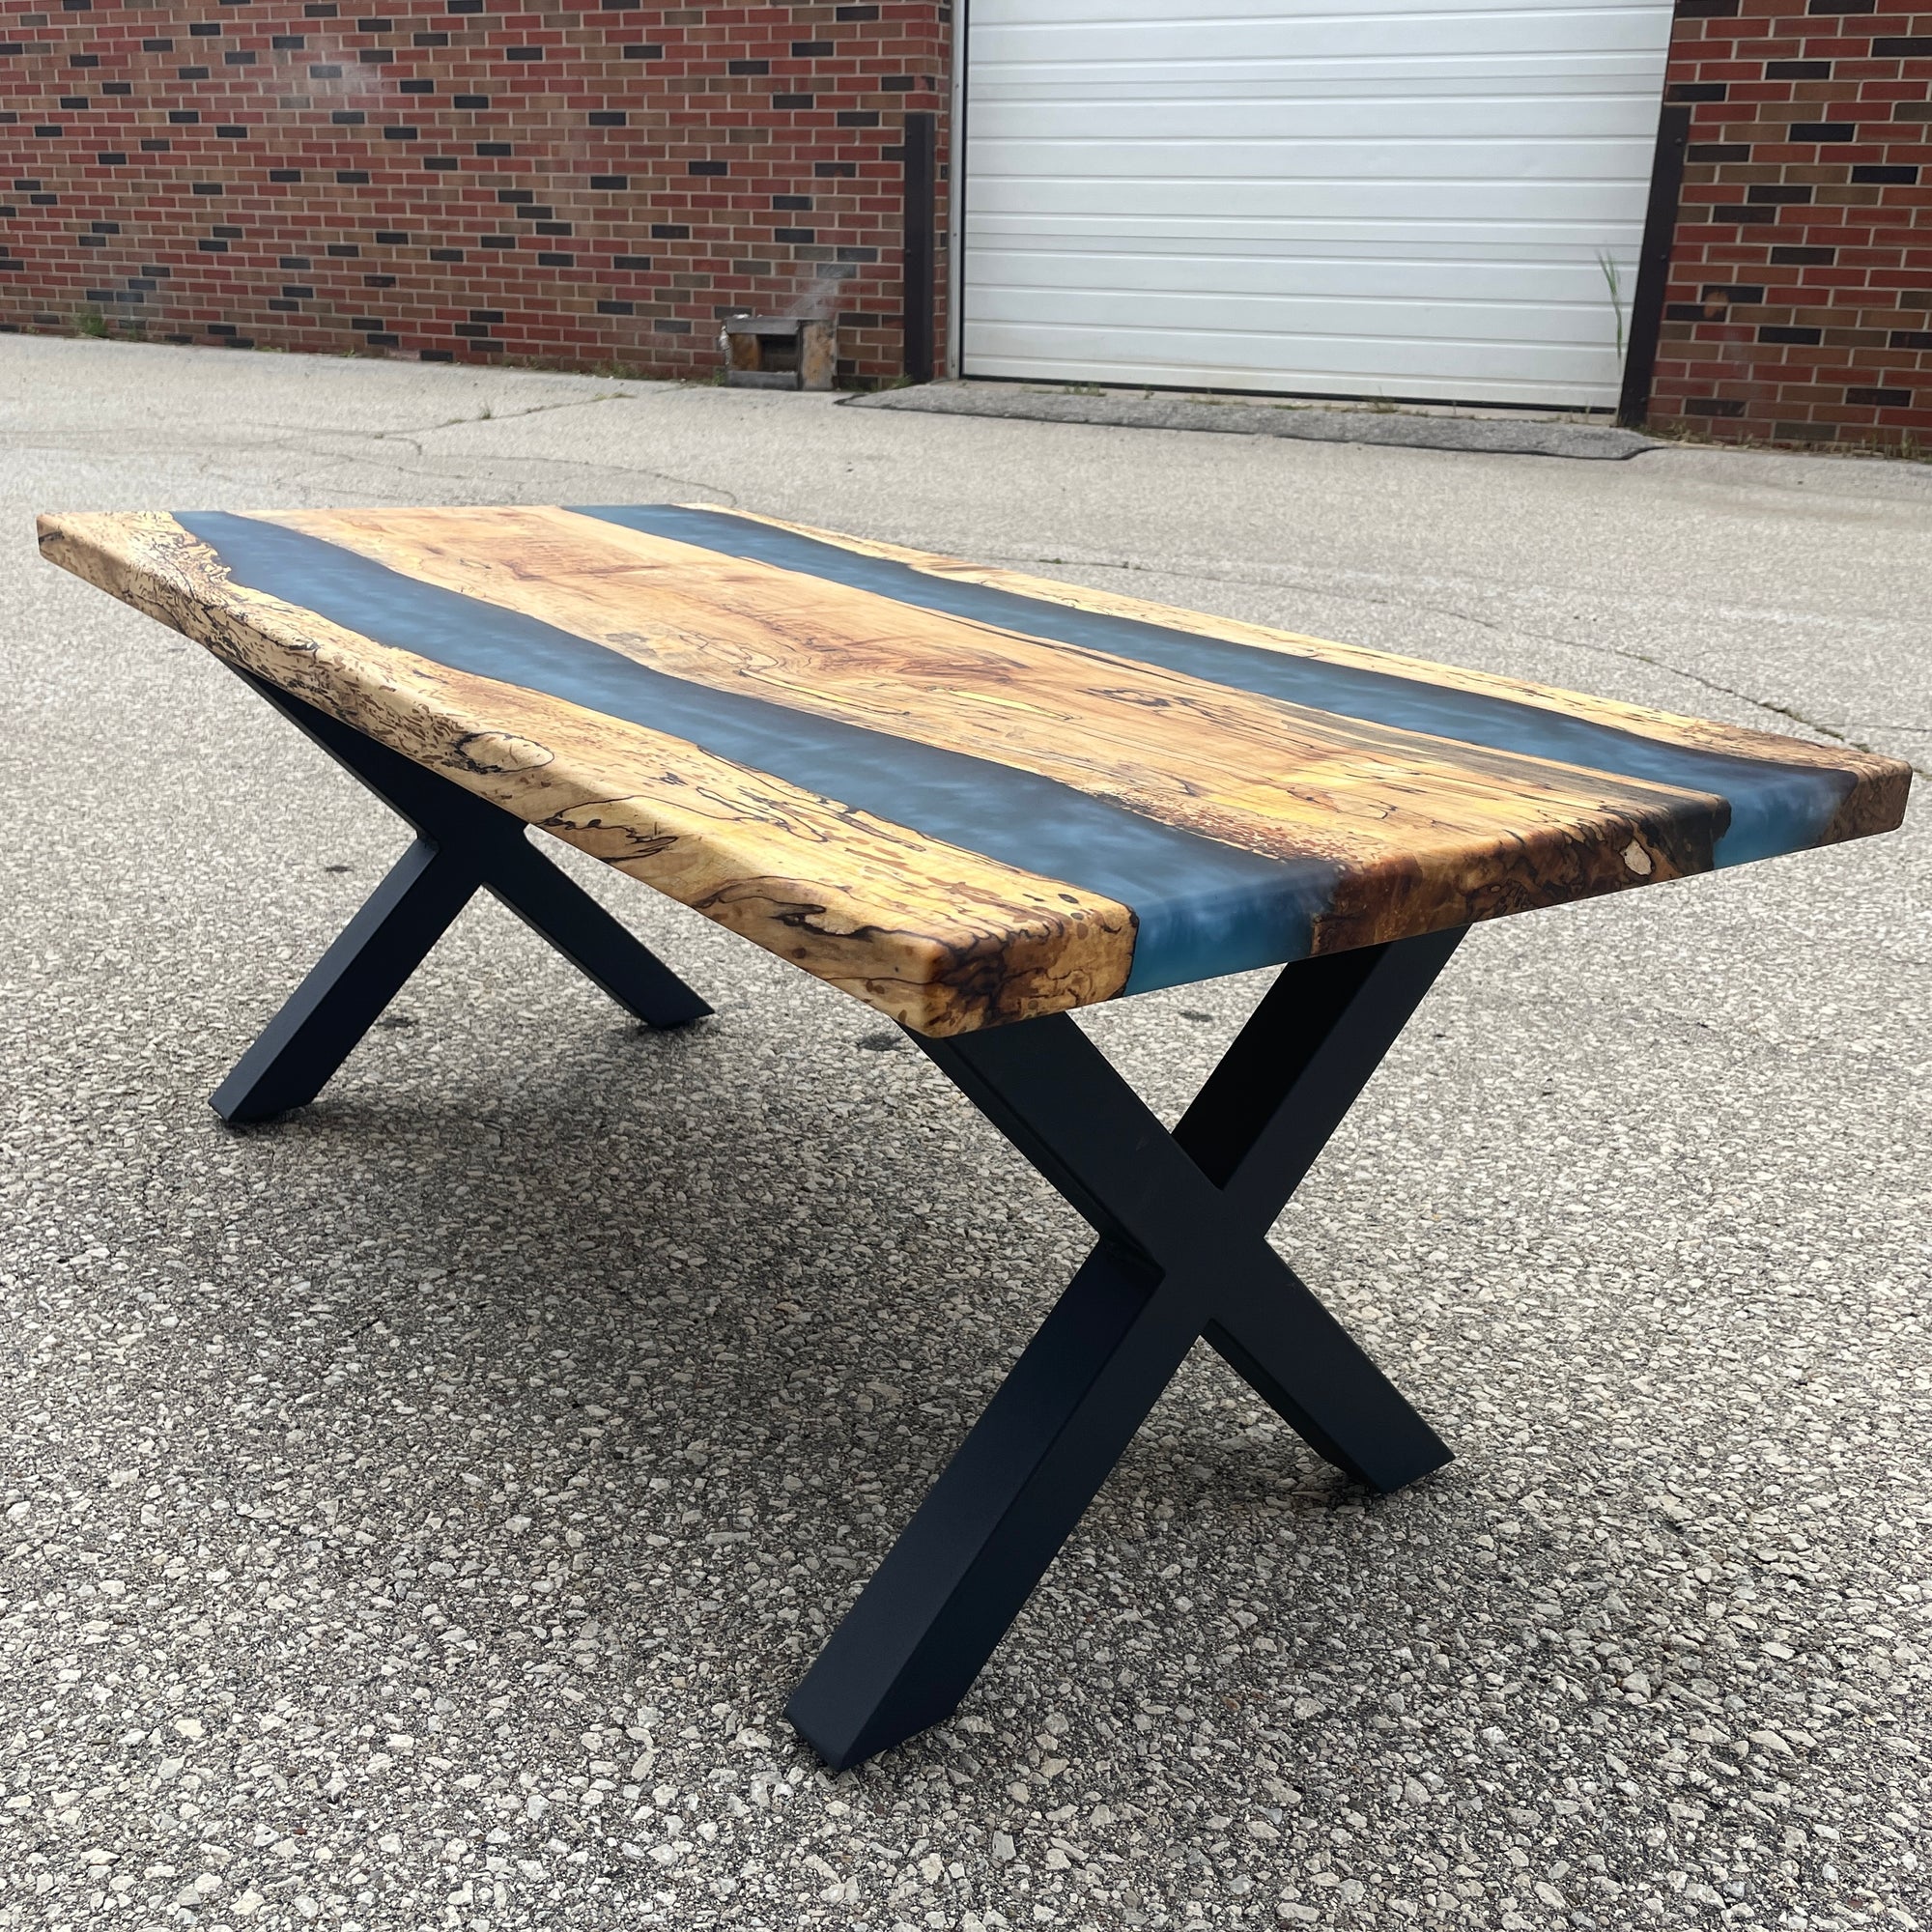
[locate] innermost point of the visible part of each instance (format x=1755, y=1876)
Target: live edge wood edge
x=979, y=946
x=938, y=936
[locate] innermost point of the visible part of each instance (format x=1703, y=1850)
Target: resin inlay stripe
x=1204, y=907
x=1276, y=780
x=1774, y=808
x=965, y=796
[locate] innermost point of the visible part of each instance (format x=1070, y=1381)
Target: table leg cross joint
x=1184, y=1256
x=463, y=843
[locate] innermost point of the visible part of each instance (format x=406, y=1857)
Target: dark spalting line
x=1202, y=908
x=1774, y=808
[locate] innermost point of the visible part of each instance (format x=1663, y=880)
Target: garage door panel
x=1443, y=198
x=1293, y=162
x=1315, y=365
x=1319, y=124
x=1502, y=204
x=1387, y=277
x=1357, y=238
x=1184, y=77
x=1393, y=22
x=1582, y=325
x=1466, y=39
x=1322, y=123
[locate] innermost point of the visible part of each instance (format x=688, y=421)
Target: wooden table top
x=963, y=795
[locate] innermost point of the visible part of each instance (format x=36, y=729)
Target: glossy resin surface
x=963, y=795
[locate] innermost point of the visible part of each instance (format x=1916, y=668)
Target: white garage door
x=1428, y=201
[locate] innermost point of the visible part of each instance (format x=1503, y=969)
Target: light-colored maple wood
x=1877, y=804
x=1402, y=831
x=1424, y=833
x=939, y=938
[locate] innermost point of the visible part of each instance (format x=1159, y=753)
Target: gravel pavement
x=416, y=1510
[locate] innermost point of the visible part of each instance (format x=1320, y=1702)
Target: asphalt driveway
x=416, y=1510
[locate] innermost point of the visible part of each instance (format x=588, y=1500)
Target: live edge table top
x=963, y=795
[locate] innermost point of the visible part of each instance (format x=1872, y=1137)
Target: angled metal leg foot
x=554, y=904
x=1183, y=1254
x=345, y=994
x=1255, y=1129
x=462, y=843
x=911, y=1645
x=1314, y=1374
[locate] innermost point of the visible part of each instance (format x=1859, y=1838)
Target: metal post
x=920, y=194
x=1653, y=269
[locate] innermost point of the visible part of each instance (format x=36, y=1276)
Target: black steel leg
x=353, y=981
x=462, y=843
x=554, y=904
x=913, y=1644
x=1254, y=1130
x=1183, y=1221
x=1314, y=1374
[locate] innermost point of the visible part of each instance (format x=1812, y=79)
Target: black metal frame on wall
x=1652, y=267
x=958, y=79
x=917, y=291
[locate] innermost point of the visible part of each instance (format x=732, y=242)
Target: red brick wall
x=586, y=183
x=594, y=182
x=1799, y=300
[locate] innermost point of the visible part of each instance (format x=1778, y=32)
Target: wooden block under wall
x=817, y=354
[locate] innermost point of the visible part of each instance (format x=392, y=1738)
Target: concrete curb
x=1133, y=409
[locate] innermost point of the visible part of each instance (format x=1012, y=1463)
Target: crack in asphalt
x=488, y=415
x=280, y=436
x=410, y=436
x=727, y=498
x=368, y=459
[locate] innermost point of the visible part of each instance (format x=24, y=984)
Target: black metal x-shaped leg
x=1184, y=1254
x=463, y=843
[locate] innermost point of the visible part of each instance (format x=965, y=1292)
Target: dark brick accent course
x=437, y=152
x=1802, y=269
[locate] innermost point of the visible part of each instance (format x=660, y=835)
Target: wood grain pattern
x=942, y=940
x=1423, y=835
x=1876, y=804
x=964, y=795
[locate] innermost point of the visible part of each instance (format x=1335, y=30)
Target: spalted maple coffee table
x=974, y=801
